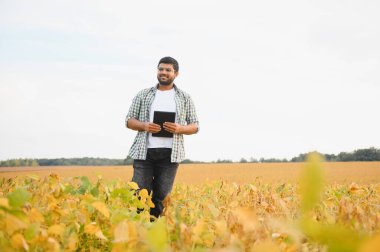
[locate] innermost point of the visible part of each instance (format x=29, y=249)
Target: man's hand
x=152, y=127
x=174, y=128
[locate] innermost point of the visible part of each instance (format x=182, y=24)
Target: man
x=156, y=158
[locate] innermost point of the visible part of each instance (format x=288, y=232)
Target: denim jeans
x=156, y=174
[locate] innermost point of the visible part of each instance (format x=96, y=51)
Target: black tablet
x=159, y=117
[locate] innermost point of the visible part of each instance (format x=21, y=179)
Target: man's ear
x=176, y=74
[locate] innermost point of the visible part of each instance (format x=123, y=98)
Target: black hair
x=171, y=61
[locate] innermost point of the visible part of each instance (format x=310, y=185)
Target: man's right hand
x=152, y=127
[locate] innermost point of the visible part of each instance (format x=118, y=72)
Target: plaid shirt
x=185, y=114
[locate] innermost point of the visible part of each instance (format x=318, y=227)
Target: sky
x=268, y=78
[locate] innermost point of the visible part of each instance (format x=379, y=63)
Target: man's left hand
x=174, y=128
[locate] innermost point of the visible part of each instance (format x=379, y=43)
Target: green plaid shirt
x=185, y=114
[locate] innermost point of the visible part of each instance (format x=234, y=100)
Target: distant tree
x=331, y=157
x=128, y=161
x=243, y=160
x=224, y=161
x=370, y=154
x=344, y=157
x=299, y=158
x=34, y=163
x=273, y=160
x=186, y=161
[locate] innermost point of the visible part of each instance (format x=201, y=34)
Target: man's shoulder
x=145, y=91
x=182, y=93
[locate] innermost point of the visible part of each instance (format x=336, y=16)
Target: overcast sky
x=268, y=78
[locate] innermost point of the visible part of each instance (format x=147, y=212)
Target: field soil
x=337, y=172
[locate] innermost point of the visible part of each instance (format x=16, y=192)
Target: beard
x=166, y=82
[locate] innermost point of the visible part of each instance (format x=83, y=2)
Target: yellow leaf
x=19, y=242
x=56, y=230
x=53, y=245
x=77, y=226
x=221, y=227
x=247, y=218
x=4, y=202
x=132, y=230
x=33, y=176
x=209, y=239
x=35, y=216
x=199, y=228
x=91, y=228
x=371, y=245
x=150, y=203
x=72, y=242
x=125, y=231
x=133, y=185
x=118, y=247
x=143, y=200
x=143, y=193
x=62, y=212
x=121, y=232
x=253, y=188
x=214, y=211
x=266, y=246
x=102, y=208
x=100, y=235
x=354, y=187
x=13, y=224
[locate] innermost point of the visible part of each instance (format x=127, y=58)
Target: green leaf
x=214, y=211
x=311, y=183
x=85, y=182
x=95, y=192
x=32, y=231
x=338, y=238
x=69, y=189
x=157, y=235
x=18, y=197
x=119, y=215
x=125, y=194
x=85, y=185
x=33, y=176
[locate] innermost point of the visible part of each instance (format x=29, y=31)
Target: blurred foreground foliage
x=51, y=214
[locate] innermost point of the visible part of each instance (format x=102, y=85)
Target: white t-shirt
x=163, y=101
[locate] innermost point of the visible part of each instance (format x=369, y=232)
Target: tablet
x=159, y=117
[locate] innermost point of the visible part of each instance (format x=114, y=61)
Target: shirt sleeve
x=134, y=110
x=191, y=114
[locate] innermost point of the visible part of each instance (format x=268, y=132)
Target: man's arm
x=135, y=124
x=175, y=128
x=191, y=116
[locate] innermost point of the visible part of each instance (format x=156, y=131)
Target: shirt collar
x=155, y=88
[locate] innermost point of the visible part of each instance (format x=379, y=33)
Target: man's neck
x=165, y=88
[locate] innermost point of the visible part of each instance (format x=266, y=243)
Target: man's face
x=166, y=74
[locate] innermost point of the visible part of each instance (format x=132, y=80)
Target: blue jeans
x=156, y=174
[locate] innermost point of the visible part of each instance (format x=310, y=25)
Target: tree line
x=369, y=154
x=66, y=162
